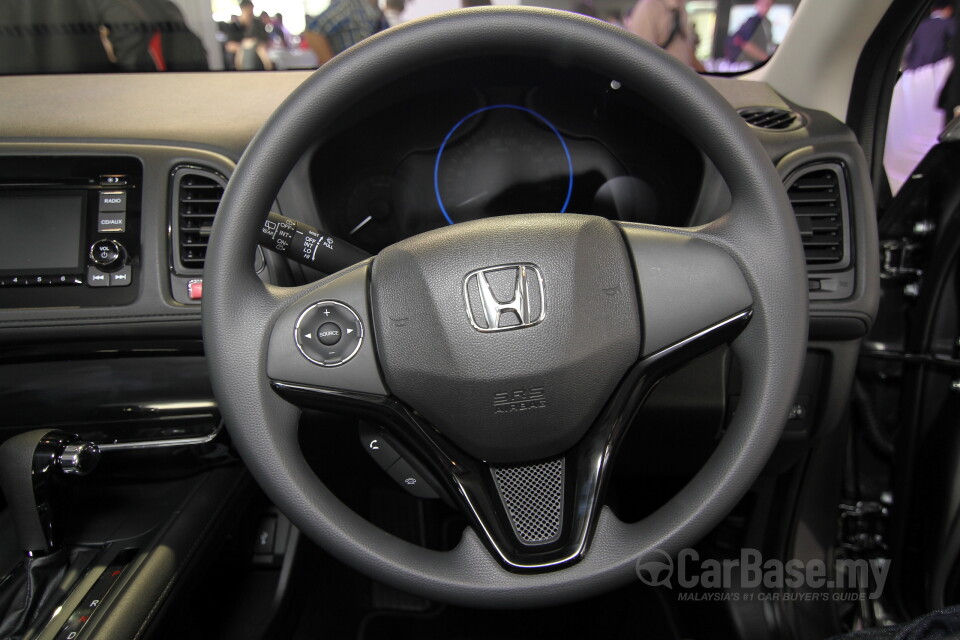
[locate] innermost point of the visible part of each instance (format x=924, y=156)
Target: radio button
x=97, y=278
x=113, y=201
x=66, y=280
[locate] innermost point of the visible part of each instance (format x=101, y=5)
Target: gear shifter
x=32, y=465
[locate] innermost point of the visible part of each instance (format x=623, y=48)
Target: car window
x=96, y=36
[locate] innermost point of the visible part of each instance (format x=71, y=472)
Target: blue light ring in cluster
x=436, y=164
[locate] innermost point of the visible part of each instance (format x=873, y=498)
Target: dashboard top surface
x=209, y=119
x=212, y=110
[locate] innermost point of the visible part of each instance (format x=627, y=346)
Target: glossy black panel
x=110, y=400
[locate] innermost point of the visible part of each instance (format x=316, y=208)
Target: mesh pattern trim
x=533, y=496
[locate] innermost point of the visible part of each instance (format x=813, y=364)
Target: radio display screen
x=41, y=233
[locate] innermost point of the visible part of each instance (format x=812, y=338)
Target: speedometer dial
x=499, y=160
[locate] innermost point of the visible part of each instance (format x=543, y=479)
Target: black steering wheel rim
x=759, y=233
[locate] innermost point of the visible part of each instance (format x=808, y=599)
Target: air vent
x=770, y=118
x=196, y=196
x=819, y=199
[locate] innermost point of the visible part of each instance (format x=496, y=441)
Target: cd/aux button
x=112, y=222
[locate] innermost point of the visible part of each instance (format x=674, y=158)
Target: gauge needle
x=469, y=200
x=361, y=225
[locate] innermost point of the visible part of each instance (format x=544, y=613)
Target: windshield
x=100, y=36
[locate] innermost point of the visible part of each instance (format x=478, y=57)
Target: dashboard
x=459, y=141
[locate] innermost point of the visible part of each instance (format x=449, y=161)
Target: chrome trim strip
x=159, y=444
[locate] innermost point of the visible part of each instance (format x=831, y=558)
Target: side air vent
x=195, y=198
x=818, y=194
x=771, y=118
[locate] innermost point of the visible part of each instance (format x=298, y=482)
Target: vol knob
x=107, y=254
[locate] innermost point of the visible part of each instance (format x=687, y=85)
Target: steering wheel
x=506, y=357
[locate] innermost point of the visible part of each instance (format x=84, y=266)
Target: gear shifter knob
x=32, y=464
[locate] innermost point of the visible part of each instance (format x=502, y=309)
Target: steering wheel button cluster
x=329, y=333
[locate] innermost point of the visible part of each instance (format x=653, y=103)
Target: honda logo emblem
x=487, y=313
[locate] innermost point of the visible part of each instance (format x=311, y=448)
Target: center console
x=70, y=231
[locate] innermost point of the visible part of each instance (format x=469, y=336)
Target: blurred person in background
x=753, y=41
x=393, y=12
x=343, y=24
x=925, y=95
x=104, y=35
x=248, y=44
x=279, y=34
x=665, y=24
x=614, y=17
x=949, y=101
x=585, y=8
x=933, y=37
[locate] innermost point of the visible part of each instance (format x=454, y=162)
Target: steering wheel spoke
x=322, y=339
x=689, y=286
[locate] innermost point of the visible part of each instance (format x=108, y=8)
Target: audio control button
x=113, y=201
x=67, y=279
x=107, y=254
x=121, y=278
x=97, y=278
x=112, y=222
x=329, y=333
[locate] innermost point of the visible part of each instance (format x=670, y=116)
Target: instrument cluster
x=474, y=144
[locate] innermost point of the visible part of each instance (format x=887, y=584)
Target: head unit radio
x=69, y=230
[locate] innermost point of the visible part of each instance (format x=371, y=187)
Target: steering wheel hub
x=521, y=389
